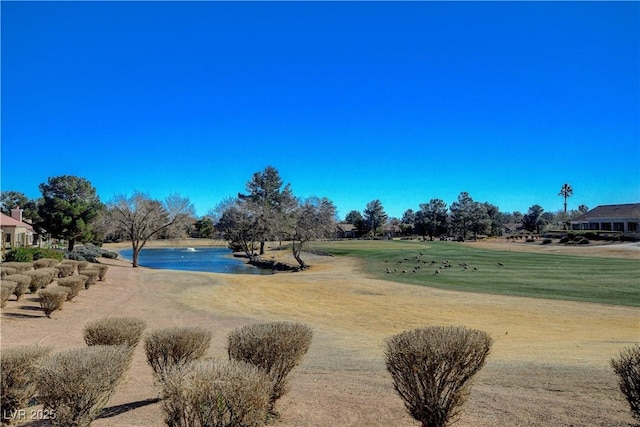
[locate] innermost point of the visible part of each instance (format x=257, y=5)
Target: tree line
x=70, y=209
x=268, y=210
x=464, y=218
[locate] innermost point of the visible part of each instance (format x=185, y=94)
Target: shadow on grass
x=113, y=411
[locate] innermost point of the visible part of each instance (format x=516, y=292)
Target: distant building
x=619, y=218
x=14, y=232
x=344, y=230
x=512, y=227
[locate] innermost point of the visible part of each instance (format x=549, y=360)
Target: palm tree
x=566, y=191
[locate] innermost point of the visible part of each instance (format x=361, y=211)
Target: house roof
x=629, y=210
x=6, y=220
x=513, y=226
x=345, y=227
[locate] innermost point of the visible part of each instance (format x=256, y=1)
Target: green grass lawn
x=565, y=277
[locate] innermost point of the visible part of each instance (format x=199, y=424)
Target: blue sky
x=355, y=101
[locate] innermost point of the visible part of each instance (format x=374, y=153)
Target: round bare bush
x=40, y=263
x=92, y=276
x=431, y=368
x=52, y=299
x=85, y=278
x=76, y=384
x=19, y=266
x=627, y=366
x=6, y=290
x=275, y=347
x=7, y=271
x=166, y=348
x=82, y=265
x=114, y=331
x=45, y=263
x=18, y=386
x=215, y=393
x=39, y=278
x=21, y=288
x=65, y=269
x=53, y=273
x=103, y=271
x=23, y=283
x=70, y=262
x=74, y=283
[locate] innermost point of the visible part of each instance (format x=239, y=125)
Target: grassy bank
x=529, y=274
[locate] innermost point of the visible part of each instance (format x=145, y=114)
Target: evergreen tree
x=375, y=216
x=268, y=201
x=68, y=207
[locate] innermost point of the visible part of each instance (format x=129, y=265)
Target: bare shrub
x=431, y=368
x=74, y=283
x=7, y=271
x=21, y=289
x=70, y=262
x=23, y=283
x=52, y=299
x=6, y=290
x=53, y=273
x=92, y=276
x=114, y=331
x=102, y=271
x=40, y=263
x=19, y=266
x=65, y=269
x=81, y=265
x=45, y=263
x=166, y=348
x=17, y=387
x=627, y=366
x=215, y=393
x=275, y=347
x=76, y=384
x=84, y=278
x=39, y=279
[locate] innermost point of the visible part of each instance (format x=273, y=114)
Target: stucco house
x=14, y=232
x=620, y=218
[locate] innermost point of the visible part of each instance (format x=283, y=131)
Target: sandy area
x=549, y=365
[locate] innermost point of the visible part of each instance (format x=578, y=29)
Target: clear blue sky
x=355, y=101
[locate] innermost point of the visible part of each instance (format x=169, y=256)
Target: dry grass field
x=549, y=365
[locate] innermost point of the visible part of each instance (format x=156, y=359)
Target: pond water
x=212, y=260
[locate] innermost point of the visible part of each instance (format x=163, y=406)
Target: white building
x=14, y=232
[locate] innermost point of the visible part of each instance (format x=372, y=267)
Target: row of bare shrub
x=431, y=369
x=73, y=385
x=18, y=277
x=239, y=392
x=64, y=268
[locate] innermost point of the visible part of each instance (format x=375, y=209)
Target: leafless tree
x=313, y=218
x=240, y=228
x=141, y=218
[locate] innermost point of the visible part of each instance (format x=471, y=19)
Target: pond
x=208, y=259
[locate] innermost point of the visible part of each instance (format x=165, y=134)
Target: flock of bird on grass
x=440, y=267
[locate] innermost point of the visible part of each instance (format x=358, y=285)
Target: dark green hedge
x=32, y=254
